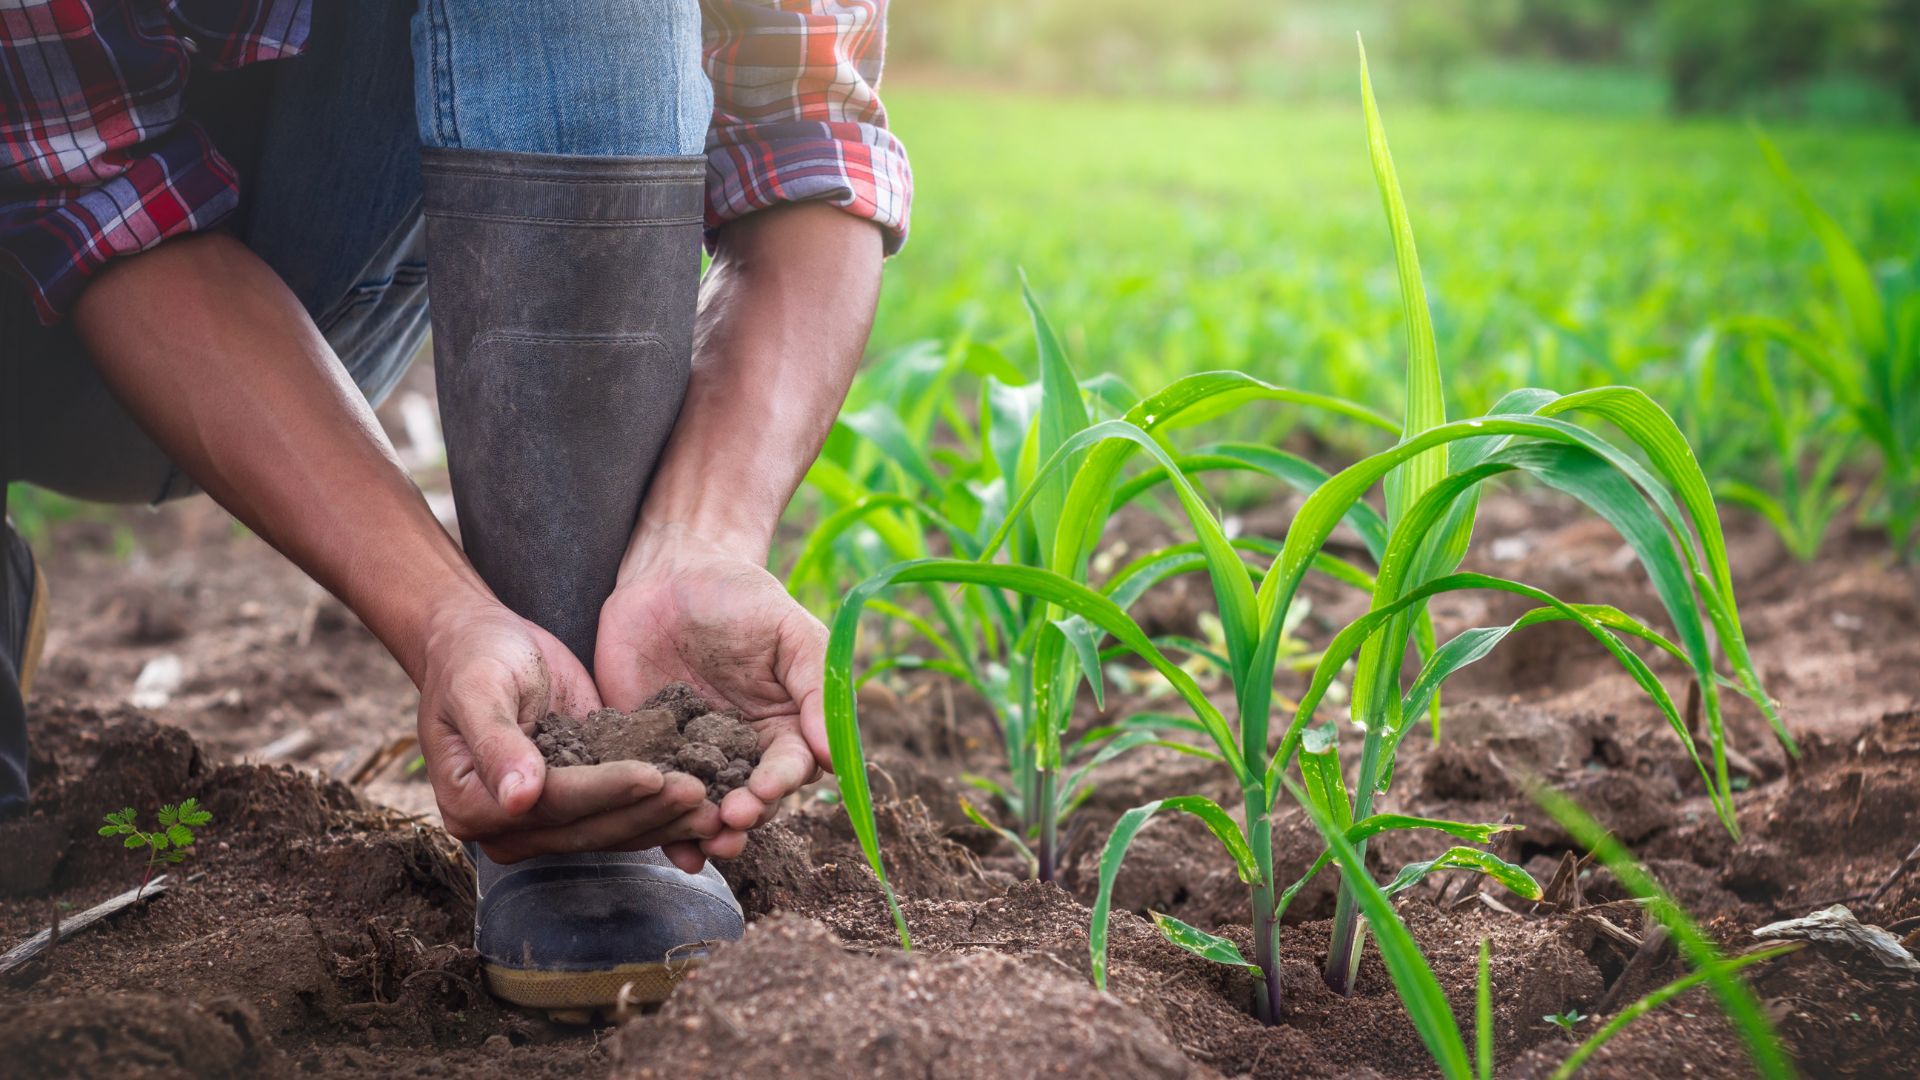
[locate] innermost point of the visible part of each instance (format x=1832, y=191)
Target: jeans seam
x=443, y=93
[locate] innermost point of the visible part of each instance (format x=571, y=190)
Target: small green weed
x=169, y=843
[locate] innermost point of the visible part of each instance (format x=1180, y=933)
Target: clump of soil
x=674, y=731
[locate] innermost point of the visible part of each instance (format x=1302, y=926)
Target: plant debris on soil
x=674, y=731
x=317, y=931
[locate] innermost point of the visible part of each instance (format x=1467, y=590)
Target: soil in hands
x=675, y=731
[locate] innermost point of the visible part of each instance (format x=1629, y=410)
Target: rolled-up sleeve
x=797, y=115
x=96, y=159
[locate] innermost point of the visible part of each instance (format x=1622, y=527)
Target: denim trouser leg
x=591, y=77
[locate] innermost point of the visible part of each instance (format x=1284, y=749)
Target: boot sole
x=574, y=997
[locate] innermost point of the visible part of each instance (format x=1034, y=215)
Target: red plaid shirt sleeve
x=795, y=112
x=96, y=160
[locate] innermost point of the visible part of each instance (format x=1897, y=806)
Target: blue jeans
x=328, y=150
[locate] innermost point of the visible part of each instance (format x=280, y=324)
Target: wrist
x=662, y=537
x=426, y=613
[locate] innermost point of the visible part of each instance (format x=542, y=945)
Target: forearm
x=784, y=316
x=221, y=365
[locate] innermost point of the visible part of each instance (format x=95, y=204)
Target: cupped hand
x=686, y=610
x=489, y=677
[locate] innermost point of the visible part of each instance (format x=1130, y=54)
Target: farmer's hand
x=489, y=676
x=686, y=610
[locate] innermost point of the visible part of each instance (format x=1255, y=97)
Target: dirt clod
x=675, y=731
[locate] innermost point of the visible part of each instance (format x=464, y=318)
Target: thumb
x=805, y=680
x=486, y=711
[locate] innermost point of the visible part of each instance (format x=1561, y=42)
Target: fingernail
x=509, y=784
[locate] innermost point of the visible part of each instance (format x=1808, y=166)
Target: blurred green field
x=1560, y=250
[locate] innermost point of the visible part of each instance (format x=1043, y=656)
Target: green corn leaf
x=1747, y=1015
x=1483, y=1013
x=1348, y=640
x=1062, y=415
x=1013, y=840
x=1653, y=999
x=1375, y=824
x=1425, y=407
x=843, y=731
x=1851, y=277
x=1085, y=641
x=1296, y=472
x=1200, y=943
x=1413, y=978
x=1320, y=769
x=1115, y=852
x=881, y=426
x=1233, y=589
x=1516, y=880
x=1650, y=428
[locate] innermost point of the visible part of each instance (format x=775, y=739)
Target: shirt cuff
x=860, y=168
x=57, y=244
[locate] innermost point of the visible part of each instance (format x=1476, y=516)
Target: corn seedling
x=1431, y=482
x=166, y=845
x=889, y=492
x=1865, y=350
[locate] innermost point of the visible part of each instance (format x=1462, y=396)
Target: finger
x=786, y=762
x=728, y=844
x=805, y=679
x=686, y=855
x=741, y=809
x=580, y=791
x=673, y=815
x=486, y=711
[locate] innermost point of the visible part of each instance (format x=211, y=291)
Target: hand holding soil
x=686, y=611
x=484, y=670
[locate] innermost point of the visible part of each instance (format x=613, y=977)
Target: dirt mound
x=138, y=1036
x=675, y=731
x=756, y=1009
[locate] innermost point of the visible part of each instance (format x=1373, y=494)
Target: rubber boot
x=563, y=292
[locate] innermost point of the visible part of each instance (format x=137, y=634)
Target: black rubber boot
x=23, y=628
x=563, y=292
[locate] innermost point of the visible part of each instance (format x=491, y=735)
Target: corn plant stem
x=1343, y=954
x=1265, y=951
x=1048, y=851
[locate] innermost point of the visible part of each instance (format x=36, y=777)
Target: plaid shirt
x=97, y=160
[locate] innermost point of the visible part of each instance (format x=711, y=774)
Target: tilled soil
x=316, y=931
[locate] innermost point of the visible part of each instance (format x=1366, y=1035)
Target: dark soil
x=674, y=730
x=316, y=930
